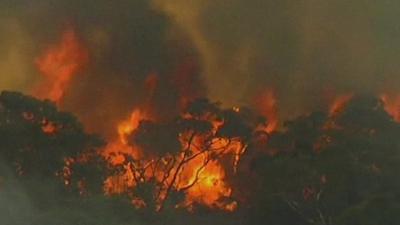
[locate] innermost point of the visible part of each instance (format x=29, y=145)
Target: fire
x=392, y=105
x=49, y=128
x=120, y=145
x=58, y=64
x=336, y=107
x=266, y=104
x=115, y=152
x=209, y=187
x=201, y=179
x=339, y=103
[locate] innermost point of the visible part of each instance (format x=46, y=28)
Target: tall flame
x=266, y=104
x=392, y=105
x=58, y=64
x=202, y=183
x=114, y=149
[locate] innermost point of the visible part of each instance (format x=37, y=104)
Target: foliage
x=40, y=144
x=320, y=169
x=334, y=170
x=184, y=147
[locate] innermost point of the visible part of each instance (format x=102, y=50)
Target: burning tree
x=332, y=168
x=185, y=162
x=38, y=141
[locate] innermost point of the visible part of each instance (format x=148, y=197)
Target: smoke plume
x=303, y=50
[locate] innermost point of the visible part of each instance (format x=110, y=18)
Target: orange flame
x=266, y=104
x=201, y=179
x=115, y=150
x=339, y=103
x=392, y=105
x=120, y=145
x=58, y=64
x=49, y=128
x=209, y=187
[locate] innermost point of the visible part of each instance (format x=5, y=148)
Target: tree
x=37, y=141
x=333, y=169
x=199, y=147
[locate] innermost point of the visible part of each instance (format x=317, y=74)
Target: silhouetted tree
x=37, y=141
x=332, y=169
x=204, y=133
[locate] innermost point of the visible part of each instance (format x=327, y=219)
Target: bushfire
x=191, y=170
x=184, y=163
x=392, y=105
x=58, y=64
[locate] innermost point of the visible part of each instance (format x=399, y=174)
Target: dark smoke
x=127, y=41
x=303, y=49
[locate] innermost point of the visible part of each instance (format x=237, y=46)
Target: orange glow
x=120, y=145
x=58, y=64
x=116, y=150
x=209, y=186
x=266, y=105
x=49, y=128
x=392, y=105
x=206, y=178
x=201, y=179
x=338, y=104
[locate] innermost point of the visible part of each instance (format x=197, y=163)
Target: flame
x=201, y=179
x=49, y=128
x=339, y=103
x=206, y=178
x=392, y=105
x=266, y=104
x=58, y=64
x=120, y=145
x=210, y=186
x=114, y=152
x=336, y=107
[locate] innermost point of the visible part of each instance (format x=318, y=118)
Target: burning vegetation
x=59, y=64
x=212, y=158
x=190, y=155
x=154, y=148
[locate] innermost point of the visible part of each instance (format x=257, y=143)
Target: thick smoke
x=15, y=205
x=302, y=48
x=128, y=42
x=305, y=50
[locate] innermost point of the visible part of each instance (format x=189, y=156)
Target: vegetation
x=319, y=169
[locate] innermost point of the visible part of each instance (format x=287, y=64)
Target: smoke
x=302, y=48
x=128, y=41
x=15, y=205
x=15, y=48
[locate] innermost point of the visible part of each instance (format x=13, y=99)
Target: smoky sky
x=127, y=42
x=301, y=48
x=237, y=48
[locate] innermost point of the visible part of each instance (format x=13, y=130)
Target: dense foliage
x=318, y=169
